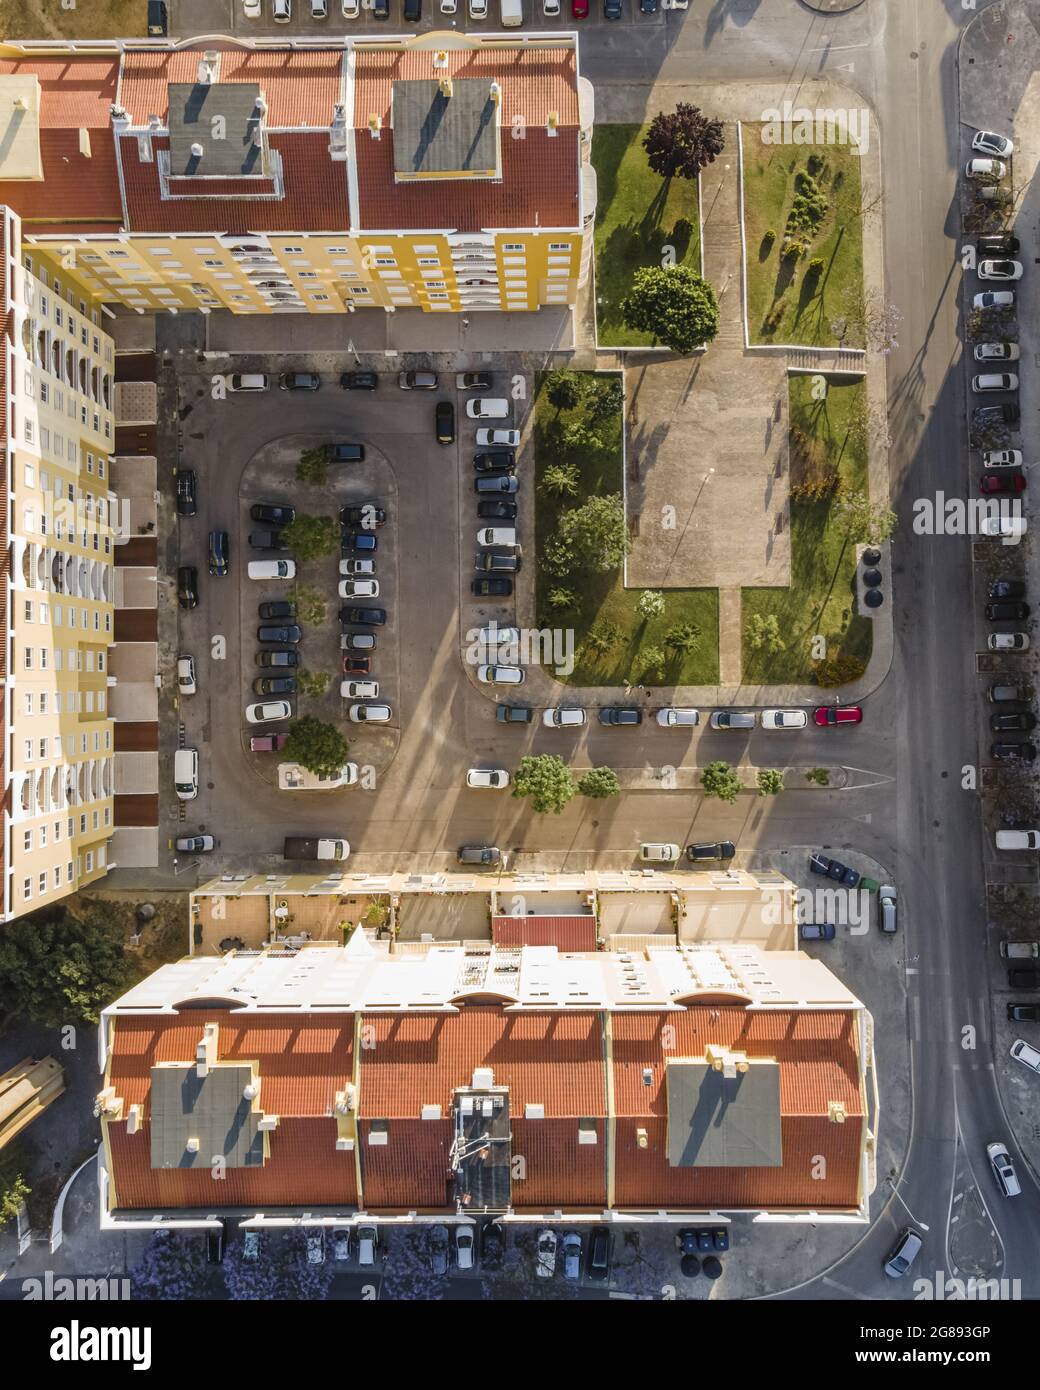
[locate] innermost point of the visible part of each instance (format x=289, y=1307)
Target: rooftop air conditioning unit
x=483, y=1077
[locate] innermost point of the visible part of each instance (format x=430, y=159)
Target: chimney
x=206, y=1050
x=552, y=123
x=192, y=1145
x=84, y=143
x=20, y=104
x=197, y=151
x=495, y=94
x=261, y=105
x=440, y=59
x=375, y=125
x=642, y=1139
x=133, y=1119
x=446, y=87
x=346, y=1100
x=836, y=1112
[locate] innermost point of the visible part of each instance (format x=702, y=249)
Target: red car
x=356, y=665
x=268, y=743
x=997, y=483
x=826, y=715
x=580, y=9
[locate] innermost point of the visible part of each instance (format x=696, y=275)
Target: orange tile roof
x=314, y=195
x=300, y=86
x=74, y=90
x=411, y=1170
x=576, y=933
x=540, y=174
x=73, y=186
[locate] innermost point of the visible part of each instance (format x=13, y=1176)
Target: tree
x=561, y=598
x=674, y=305
x=407, y=1275
x=547, y=780
x=564, y=390
x=868, y=316
x=312, y=682
x=560, y=480
x=312, y=537
x=602, y=638
x=599, y=782
x=866, y=425
x=596, y=532
x=606, y=402
x=653, y=662
x=13, y=1188
x=57, y=969
x=866, y=522
x=558, y=555
x=171, y=1269
x=650, y=604
x=311, y=605
x=770, y=781
x=318, y=747
x=577, y=437
x=681, y=143
x=763, y=630
x=313, y=467
x=683, y=639
x=719, y=779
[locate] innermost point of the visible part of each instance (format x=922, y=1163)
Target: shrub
x=599, y=783
x=819, y=775
x=650, y=604
x=719, y=779
x=312, y=682
x=838, y=670
x=769, y=237
x=770, y=781
x=313, y=467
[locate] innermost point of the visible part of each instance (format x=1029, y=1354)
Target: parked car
x=359, y=381
x=1028, y=1056
x=444, y=420
x=1002, y=484
x=514, y=714
x=268, y=711
x=487, y=408
x=268, y=743
x=366, y=515
x=816, y=931
x=784, y=719
x=497, y=561
x=656, y=852
x=1019, y=950
x=341, y=1244
x=827, y=716
x=195, y=844
x=1013, y=752
x=1018, y=839
x=186, y=773
x=219, y=550
x=278, y=660
x=1007, y=588
x=1002, y=458
x=994, y=381
x=482, y=855
x=498, y=439
x=1007, y=641
x=492, y=588
x=463, y=1247
x=674, y=717
x=1023, y=1013
x=985, y=169
x=1003, y=1170
x=988, y=142
x=487, y=778
x=363, y=541
x=186, y=675
x=710, y=849
x=545, y=1258
x=355, y=568
x=492, y=1245
x=1024, y=977
x=502, y=460
x=370, y=714
x=488, y=674
x=598, y=1264
x=249, y=381
x=277, y=611
x=564, y=717
x=1007, y=610
x=282, y=11
x=497, y=535
x=903, y=1253
x=251, y=1245
x=497, y=483
x=274, y=685
x=356, y=665
x=299, y=381
x=1000, y=268
x=996, y=352
x=359, y=690
x=271, y=569
x=188, y=586
x=267, y=540
x=613, y=9
x=887, y=917
x=417, y=381
x=732, y=719
x=994, y=299
x=347, y=453
x=186, y=482
x=273, y=513
x=497, y=511
x=473, y=381
x=621, y=715
x=1003, y=526
x=570, y=1247
x=359, y=588
x=283, y=633
x=478, y=9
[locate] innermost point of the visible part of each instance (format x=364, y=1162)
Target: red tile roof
x=300, y=86
x=74, y=90
x=314, y=196
x=540, y=174
x=73, y=185
x=577, y=933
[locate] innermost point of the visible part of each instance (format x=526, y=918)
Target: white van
x=186, y=773
x=1018, y=839
x=488, y=407
x=512, y=14
x=271, y=569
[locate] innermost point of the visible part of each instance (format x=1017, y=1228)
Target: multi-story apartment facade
x=59, y=521
x=448, y=172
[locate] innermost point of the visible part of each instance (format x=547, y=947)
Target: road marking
x=912, y=970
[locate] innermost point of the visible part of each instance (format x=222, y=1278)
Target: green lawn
x=637, y=215
x=787, y=302
x=821, y=597
x=603, y=603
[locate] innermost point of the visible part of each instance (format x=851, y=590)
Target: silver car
x=1003, y=1170
x=903, y=1253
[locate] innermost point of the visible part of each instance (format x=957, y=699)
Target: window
x=57, y=875
x=27, y=659
x=28, y=750
x=57, y=831
x=29, y=702
x=293, y=250
x=27, y=840
x=27, y=889
x=43, y=703
x=559, y=246
x=30, y=475
x=43, y=881
x=43, y=747
x=83, y=823
x=28, y=616
x=70, y=872
x=513, y=246
x=43, y=837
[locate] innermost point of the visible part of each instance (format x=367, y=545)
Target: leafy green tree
x=602, y=638
x=763, y=630
x=312, y=537
x=650, y=604
x=313, y=682
x=680, y=143
x=317, y=746
x=562, y=598
x=311, y=605
x=606, y=402
x=596, y=532
x=56, y=969
x=683, y=639
x=578, y=438
x=719, y=779
x=547, y=780
x=313, y=467
x=14, y=1190
x=564, y=390
x=653, y=661
x=770, y=781
x=599, y=783
x=558, y=555
x=674, y=305
x=560, y=480
x=866, y=522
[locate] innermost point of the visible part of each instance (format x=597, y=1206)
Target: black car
x=819, y=864
x=219, y=550
x=358, y=540
x=278, y=659
x=186, y=482
x=496, y=562
x=267, y=540
x=299, y=381
x=497, y=511
x=380, y=9
x=1024, y=977
x=444, y=418
x=1012, y=723
x=1007, y=588
x=497, y=483
x=612, y=9
x=373, y=617
x=997, y=244
x=367, y=516
x=273, y=612
x=717, y=849
x=273, y=513
x=1006, y=414
x=495, y=460
x=158, y=20
x=347, y=453
x=1006, y=612
x=274, y=685
x=647, y=6
x=359, y=381
x=621, y=714
x=492, y=588
x=216, y=1238
x=1013, y=752
x=1023, y=1013
x=492, y=1245
x=1001, y=694
x=598, y=1261
x=288, y=632
x=413, y=11
x=514, y=714
x=188, y=586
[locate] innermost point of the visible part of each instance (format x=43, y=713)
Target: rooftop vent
x=552, y=123
x=375, y=125
x=440, y=59
x=483, y=1077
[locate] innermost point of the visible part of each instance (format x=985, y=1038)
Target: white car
x=370, y=714
x=359, y=690
x=351, y=8
x=996, y=352
x=1018, y=839
x=268, y=711
x=994, y=381
x=1028, y=1056
x=545, y=1267
x=658, y=853
x=501, y=675
x=784, y=719
x=564, y=717
x=677, y=718
x=319, y=9
x=498, y=439
x=495, y=636
x=252, y=9
x=464, y=1247
x=357, y=568
x=1008, y=642
x=359, y=588
x=994, y=299
x=478, y=9
x=195, y=844
x=1003, y=526
x=487, y=408
x=449, y=6
x=497, y=535
x=550, y=8
x=1002, y=458
x=990, y=143
x=979, y=168
x=186, y=675
x=1003, y=1170
x=271, y=569
x=489, y=778
x=1002, y=269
